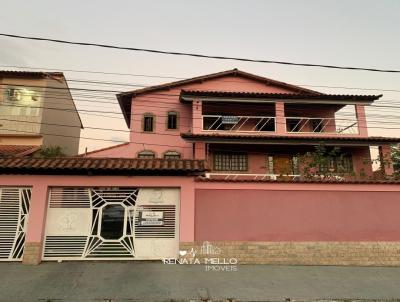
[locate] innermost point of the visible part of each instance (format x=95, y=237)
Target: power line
x=169, y=77
x=109, y=46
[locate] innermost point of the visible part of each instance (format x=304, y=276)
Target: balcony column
x=36, y=225
x=280, y=120
x=361, y=120
x=385, y=157
x=200, y=151
x=197, y=116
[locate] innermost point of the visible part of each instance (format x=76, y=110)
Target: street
x=155, y=281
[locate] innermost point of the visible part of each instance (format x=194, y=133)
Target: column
x=200, y=150
x=361, y=120
x=280, y=120
x=197, y=116
x=36, y=225
x=187, y=212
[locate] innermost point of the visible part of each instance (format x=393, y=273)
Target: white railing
x=321, y=125
x=239, y=176
x=235, y=123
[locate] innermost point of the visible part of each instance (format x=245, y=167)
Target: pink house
x=246, y=126
x=225, y=162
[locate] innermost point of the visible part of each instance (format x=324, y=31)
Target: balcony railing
x=249, y=176
x=321, y=125
x=231, y=123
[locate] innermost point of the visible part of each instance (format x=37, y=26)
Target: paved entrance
x=128, y=281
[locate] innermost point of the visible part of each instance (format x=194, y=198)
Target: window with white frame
x=146, y=154
x=172, y=155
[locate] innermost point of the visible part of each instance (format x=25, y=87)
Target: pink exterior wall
x=305, y=214
x=257, y=161
x=40, y=185
x=159, y=103
x=248, y=211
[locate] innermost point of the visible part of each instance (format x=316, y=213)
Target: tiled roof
x=125, y=98
x=100, y=166
x=295, y=138
x=303, y=181
x=302, y=96
x=104, y=149
x=17, y=150
x=21, y=73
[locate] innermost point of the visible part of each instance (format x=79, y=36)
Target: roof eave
x=125, y=106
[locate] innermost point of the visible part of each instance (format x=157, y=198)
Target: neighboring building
x=247, y=126
x=32, y=107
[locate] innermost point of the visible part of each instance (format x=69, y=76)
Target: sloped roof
x=125, y=98
x=292, y=139
x=17, y=150
x=100, y=166
x=308, y=96
x=104, y=149
x=38, y=74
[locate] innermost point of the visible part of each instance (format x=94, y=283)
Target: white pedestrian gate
x=114, y=223
x=14, y=209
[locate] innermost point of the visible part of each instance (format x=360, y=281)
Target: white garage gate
x=112, y=223
x=14, y=209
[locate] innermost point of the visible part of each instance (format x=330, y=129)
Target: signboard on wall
x=149, y=218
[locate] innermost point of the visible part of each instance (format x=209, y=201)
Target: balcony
x=232, y=123
x=267, y=124
x=321, y=125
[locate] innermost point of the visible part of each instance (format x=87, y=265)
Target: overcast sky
x=354, y=33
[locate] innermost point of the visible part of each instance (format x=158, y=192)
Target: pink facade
x=292, y=215
x=231, y=94
x=247, y=211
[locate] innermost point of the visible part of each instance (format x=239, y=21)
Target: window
x=172, y=155
x=230, y=161
x=146, y=154
x=148, y=122
x=172, y=120
x=21, y=102
x=339, y=164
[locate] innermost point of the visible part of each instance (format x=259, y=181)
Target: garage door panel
x=107, y=223
x=14, y=210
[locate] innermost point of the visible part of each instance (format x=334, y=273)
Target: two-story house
x=33, y=108
x=219, y=159
x=248, y=126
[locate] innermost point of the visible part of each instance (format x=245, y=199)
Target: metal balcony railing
x=321, y=125
x=233, y=123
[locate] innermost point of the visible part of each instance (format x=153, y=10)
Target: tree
x=324, y=163
x=396, y=159
x=51, y=151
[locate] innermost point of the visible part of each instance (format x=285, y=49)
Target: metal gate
x=120, y=223
x=14, y=209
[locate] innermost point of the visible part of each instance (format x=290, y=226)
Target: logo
x=208, y=255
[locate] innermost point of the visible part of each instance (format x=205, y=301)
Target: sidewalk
x=154, y=281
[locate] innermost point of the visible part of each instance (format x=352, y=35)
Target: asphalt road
x=155, y=281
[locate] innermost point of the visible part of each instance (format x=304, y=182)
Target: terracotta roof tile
x=308, y=96
x=23, y=73
x=17, y=150
x=103, y=166
x=303, y=181
x=298, y=138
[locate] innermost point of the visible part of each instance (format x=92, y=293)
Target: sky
x=346, y=33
